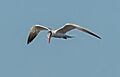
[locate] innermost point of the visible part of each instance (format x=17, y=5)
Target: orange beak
x=49, y=37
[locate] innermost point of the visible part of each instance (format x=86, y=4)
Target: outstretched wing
x=34, y=32
x=69, y=26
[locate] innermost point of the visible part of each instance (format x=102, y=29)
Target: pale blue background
x=83, y=56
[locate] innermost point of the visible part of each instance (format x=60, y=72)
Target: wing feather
x=34, y=32
x=69, y=26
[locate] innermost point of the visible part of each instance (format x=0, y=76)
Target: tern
x=57, y=33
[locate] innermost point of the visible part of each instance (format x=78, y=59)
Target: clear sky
x=82, y=56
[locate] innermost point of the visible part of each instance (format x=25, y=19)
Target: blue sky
x=83, y=56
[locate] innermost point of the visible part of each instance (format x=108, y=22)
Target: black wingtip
x=98, y=37
x=28, y=42
x=31, y=37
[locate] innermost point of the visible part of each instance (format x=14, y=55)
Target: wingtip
x=27, y=43
x=99, y=37
x=29, y=40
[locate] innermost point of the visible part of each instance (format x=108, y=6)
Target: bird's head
x=49, y=36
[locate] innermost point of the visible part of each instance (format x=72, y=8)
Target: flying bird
x=57, y=33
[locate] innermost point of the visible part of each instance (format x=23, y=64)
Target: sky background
x=82, y=56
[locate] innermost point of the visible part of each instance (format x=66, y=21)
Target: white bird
x=57, y=33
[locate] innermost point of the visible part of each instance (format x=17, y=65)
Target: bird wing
x=69, y=26
x=34, y=32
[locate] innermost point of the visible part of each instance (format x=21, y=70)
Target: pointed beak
x=49, y=37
